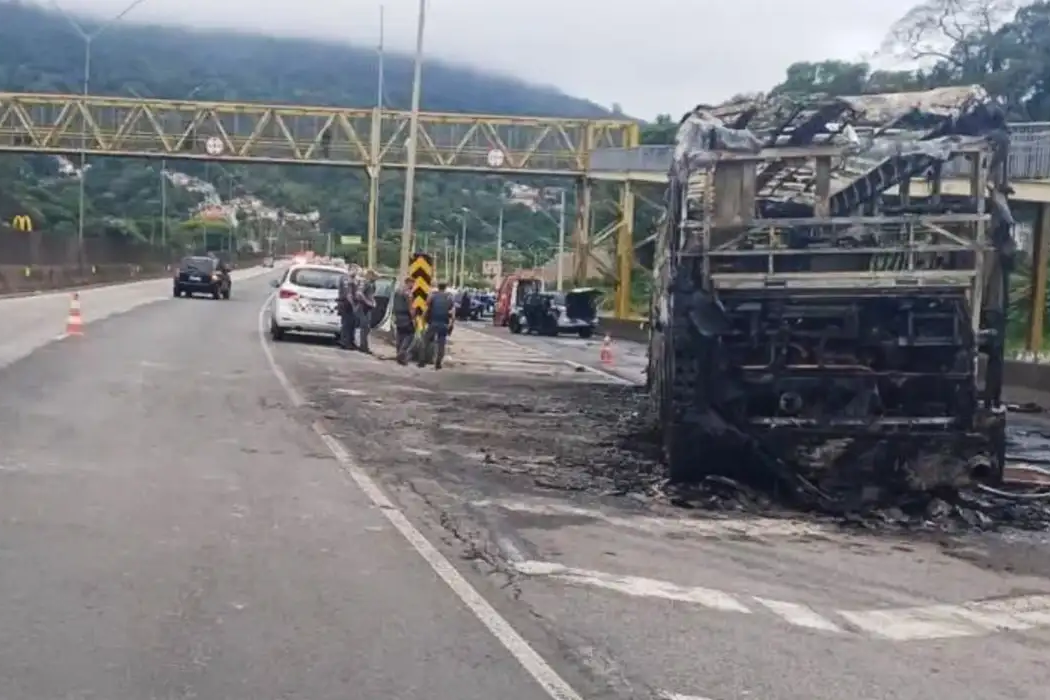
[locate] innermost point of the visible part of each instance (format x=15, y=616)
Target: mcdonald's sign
x=22, y=223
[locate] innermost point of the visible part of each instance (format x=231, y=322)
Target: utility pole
x=463, y=251
x=413, y=137
x=448, y=269
x=455, y=260
x=373, y=169
x=561, y=241
x=163, y=202
x=499, y=247
x=89, y=39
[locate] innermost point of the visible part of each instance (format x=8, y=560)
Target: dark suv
x=202, y=275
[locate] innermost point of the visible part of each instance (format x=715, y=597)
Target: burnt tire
x=586, y=333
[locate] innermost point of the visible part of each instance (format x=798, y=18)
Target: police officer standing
x=366, y=301
x=440, y=309
x=347, y=312
x=404, y=326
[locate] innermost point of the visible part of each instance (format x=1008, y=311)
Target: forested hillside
x=39, y=52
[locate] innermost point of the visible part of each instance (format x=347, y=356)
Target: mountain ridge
x=39, y=52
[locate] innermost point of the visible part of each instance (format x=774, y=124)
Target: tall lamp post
x=89, y=39
x=413, y=140
x=374, y=170
x=462, y=250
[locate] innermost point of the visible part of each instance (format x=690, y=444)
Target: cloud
x=650, y=57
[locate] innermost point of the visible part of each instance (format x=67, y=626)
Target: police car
x=306, y=300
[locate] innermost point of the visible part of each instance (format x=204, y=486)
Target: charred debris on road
x=818, y=323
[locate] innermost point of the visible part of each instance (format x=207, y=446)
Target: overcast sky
x=650, y=56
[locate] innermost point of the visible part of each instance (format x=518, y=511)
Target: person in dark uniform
x=366, y=301
x=441, y=307
x=347, y=313
x=404, y=323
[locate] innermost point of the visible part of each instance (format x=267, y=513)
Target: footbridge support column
x=1037, y=293
x=624, y=251
x=373, y=214
x=581, y=232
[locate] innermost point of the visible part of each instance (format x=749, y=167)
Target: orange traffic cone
x=74, y=324
x=606, y=352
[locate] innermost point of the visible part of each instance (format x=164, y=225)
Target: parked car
x=307, y=301
x=551, y=313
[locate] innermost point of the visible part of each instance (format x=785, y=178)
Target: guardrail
x=1029, y=156
x=1025, y=373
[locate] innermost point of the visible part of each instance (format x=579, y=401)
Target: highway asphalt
x=192, y=511
x=170, y=530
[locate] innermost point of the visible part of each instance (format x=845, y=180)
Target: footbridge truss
x=369, y=138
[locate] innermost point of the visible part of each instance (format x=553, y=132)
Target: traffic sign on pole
x=496, y=158
x=421, y=270
x=214, y=146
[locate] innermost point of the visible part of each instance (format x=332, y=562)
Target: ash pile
x=868, y=496
x=818, y=330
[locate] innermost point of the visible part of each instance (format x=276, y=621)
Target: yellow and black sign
x=421, y=270
x=22, y=223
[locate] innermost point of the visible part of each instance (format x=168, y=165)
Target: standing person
x=366, y=301
x=441, y=307
x=404, y=323
x=347, y=313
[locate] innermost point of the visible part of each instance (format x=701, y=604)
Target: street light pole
x=88, y=41
x=374, y=170
x=413, y=138
x=462, y=249
x=499, y=247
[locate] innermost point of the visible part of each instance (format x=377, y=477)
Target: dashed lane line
x=930, y=622
x=709, y=527
x=637, y=586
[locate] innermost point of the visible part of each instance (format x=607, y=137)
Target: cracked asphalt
x=173, y=528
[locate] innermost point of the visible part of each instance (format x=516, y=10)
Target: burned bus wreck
x=816, y=319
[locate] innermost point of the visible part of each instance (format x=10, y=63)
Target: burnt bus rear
x=816, y=314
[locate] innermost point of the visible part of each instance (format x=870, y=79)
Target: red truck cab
x=511, y=291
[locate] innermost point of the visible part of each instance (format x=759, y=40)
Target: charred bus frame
x=831, y=335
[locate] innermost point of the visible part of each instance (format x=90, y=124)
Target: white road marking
x=552, y=683
x=679, y=696
x=714, y=527
x=940, y=621
x=636, y=586
x=906, y=624
x=539, y=353
x=945, y=621
x=798, y=614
